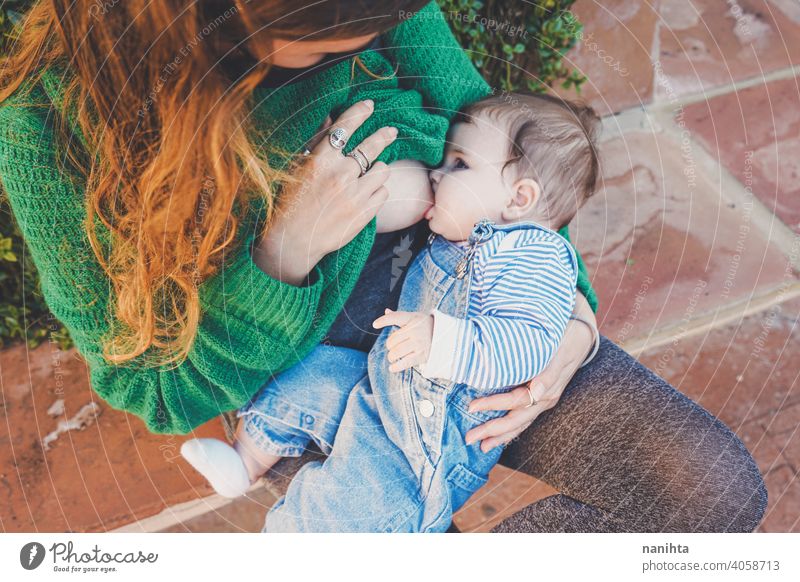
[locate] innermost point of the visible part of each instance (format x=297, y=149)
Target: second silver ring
x=362, y=160
x=533, y=401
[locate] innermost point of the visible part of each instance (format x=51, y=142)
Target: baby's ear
x=525, y=195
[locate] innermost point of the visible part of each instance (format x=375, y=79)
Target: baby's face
x=468, y=185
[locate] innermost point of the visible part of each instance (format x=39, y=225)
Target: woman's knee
x=705, y=480
x=708, y=479
x=731, y=490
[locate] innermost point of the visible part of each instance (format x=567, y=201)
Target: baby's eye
x=460, y=164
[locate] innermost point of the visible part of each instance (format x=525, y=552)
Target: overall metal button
x=425, y=408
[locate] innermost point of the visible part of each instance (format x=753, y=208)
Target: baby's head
x=513, y=158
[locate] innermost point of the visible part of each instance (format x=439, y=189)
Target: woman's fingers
x=492, y=442
x=519, y=417
x=516, y=398
x=374, y=144
x=519, y=397
x=350, y=120
x=370, y=184
x=496, y=426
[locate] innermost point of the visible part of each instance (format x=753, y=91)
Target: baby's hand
x=411, y=344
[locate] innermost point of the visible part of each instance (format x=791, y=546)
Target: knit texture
x=252, y=325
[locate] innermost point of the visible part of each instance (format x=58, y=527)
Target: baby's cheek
x=460, y=221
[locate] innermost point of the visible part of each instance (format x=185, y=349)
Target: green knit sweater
x=252, y=325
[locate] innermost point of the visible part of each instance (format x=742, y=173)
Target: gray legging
x=627, y=451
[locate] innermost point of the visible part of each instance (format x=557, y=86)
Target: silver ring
x=361, y=162
x=533, y=400
x=366, y=165
x=306, y=152
x=338, y=137
x=369, y=164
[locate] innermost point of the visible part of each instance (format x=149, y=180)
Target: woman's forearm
x=282, y=260
x=583, y=316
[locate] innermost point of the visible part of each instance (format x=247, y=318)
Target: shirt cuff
x=444, y=346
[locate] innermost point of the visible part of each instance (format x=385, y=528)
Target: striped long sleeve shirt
x=522, y=295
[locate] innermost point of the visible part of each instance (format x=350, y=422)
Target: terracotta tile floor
x=762, y=151
x=692, y=244
x=108, y=474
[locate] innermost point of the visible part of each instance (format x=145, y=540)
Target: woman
x=225, y=272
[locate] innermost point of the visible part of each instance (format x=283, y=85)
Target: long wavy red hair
x=174, y=168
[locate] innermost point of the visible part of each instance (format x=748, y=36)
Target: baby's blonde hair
x=550, y=140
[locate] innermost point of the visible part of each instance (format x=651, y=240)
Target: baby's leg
x=230, y=470
x=365, y=485
x=304, y=403
x=256, y=461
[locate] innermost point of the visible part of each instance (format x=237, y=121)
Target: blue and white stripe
x=521, y=299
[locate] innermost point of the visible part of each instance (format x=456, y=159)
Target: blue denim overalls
x=398, y=461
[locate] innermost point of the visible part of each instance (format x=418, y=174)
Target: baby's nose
x=435, y=176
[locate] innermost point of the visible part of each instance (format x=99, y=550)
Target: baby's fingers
x=407, y=362
x=402, y=350
x=398, y=318
x=399, y=336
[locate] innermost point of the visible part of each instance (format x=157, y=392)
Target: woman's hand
x=328, y=205
x=546, y=388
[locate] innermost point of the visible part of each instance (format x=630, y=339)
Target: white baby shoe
x=218, y=462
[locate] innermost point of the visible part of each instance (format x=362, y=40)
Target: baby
x=482, y=310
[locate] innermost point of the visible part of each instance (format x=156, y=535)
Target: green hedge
x=23, y=313
x=514, y=45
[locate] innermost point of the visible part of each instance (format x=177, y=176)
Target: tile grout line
x=712, y=320
x=789, y=72
x=662, y=106
x=181, y=512
x=655, y=50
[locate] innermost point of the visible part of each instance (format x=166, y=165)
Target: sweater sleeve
x=432, y=62
x=252, y=325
